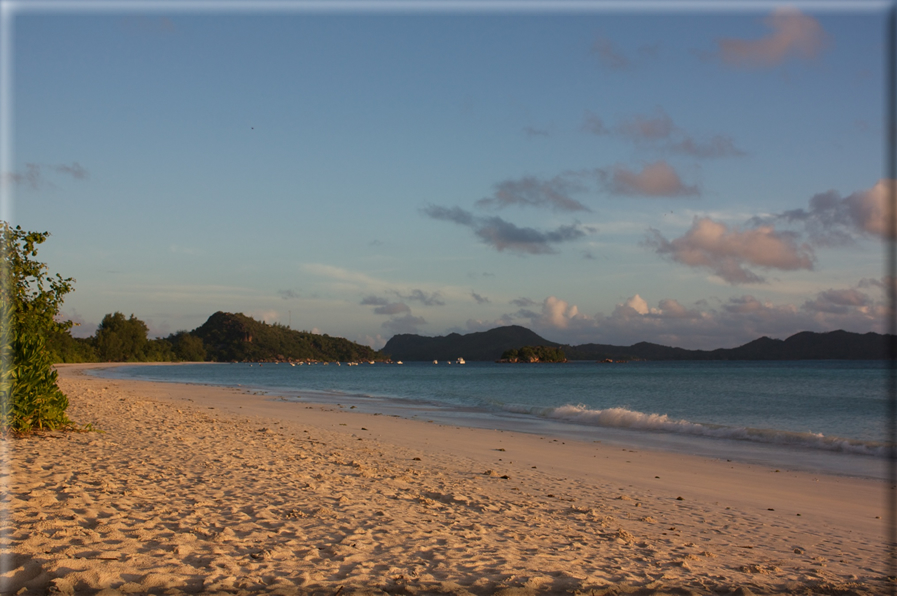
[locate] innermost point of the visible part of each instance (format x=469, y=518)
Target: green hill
x=482, y=345
x=228, y=337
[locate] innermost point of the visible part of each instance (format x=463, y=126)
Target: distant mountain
x=228, y=337
x=482, y=345
x=489, y=345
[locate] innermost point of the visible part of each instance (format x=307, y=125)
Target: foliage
x=30, y=299
x=65, y=348
x=534, y=354
x=124, y=340
x=236, y=337
x=121, y=340
x=187, y=347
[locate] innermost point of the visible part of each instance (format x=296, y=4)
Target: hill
x=489, y=345
x=482, y=345
x=228, y=336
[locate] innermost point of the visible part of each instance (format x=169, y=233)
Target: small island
x=531, y=354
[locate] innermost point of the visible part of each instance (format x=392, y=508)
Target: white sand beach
x=197, y=489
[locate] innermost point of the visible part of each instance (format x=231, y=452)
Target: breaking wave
x=628, y=419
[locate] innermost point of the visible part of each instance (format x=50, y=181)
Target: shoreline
x=841, y=457
x=203, y=489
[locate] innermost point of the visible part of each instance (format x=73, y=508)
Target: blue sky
x=686, y=176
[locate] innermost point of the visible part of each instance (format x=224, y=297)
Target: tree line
x=121, y=339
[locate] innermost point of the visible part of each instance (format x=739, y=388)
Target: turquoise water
x=812, y=406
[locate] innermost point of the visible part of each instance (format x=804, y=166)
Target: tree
x=121, y=340
x=187, y=347
x=30, y=299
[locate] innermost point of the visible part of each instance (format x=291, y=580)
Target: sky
x=689, y=175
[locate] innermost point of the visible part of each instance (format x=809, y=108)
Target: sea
x=820, y=416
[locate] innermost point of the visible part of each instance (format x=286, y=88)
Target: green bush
x=30, y=398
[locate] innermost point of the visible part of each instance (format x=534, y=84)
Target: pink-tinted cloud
x=868, y=209
x=728, y=253
x=793, y=34
x=658, y=131
x=838, y=301
x=831, y=220
x=657, y=179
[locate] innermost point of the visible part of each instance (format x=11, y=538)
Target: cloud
x=886, y=284
x=531, y=192
x=535, y=132
x=433, y=299
x=657, y=179
x=288, y=294
x=838, y=301
x=523, y=302
x=613, y=58
x=503, y=235
x=373, y=301
x=734, y=322
x=453, y=214
x=831, y=220
x=717, y=146
x=406, y=324
x=608, y=55
x=384, y=306
x=727, y=253
x=35, y=177
x=480, y=299
x=75, y=170
x=392, y=308
x=637, y=304
x=593, y=124
x=793, y=34
x=375, y=341
x=264, y=315
x=647, y=128
x=659, y=132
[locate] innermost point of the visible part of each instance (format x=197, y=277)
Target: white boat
x=460, y=361
x=435, y=362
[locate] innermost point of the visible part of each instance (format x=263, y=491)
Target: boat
x=460, y=361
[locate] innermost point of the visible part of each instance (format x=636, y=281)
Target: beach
x=199, y=489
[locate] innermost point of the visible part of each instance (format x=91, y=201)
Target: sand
x=196, y=489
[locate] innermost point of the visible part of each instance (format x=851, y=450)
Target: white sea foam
x=629, y=419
